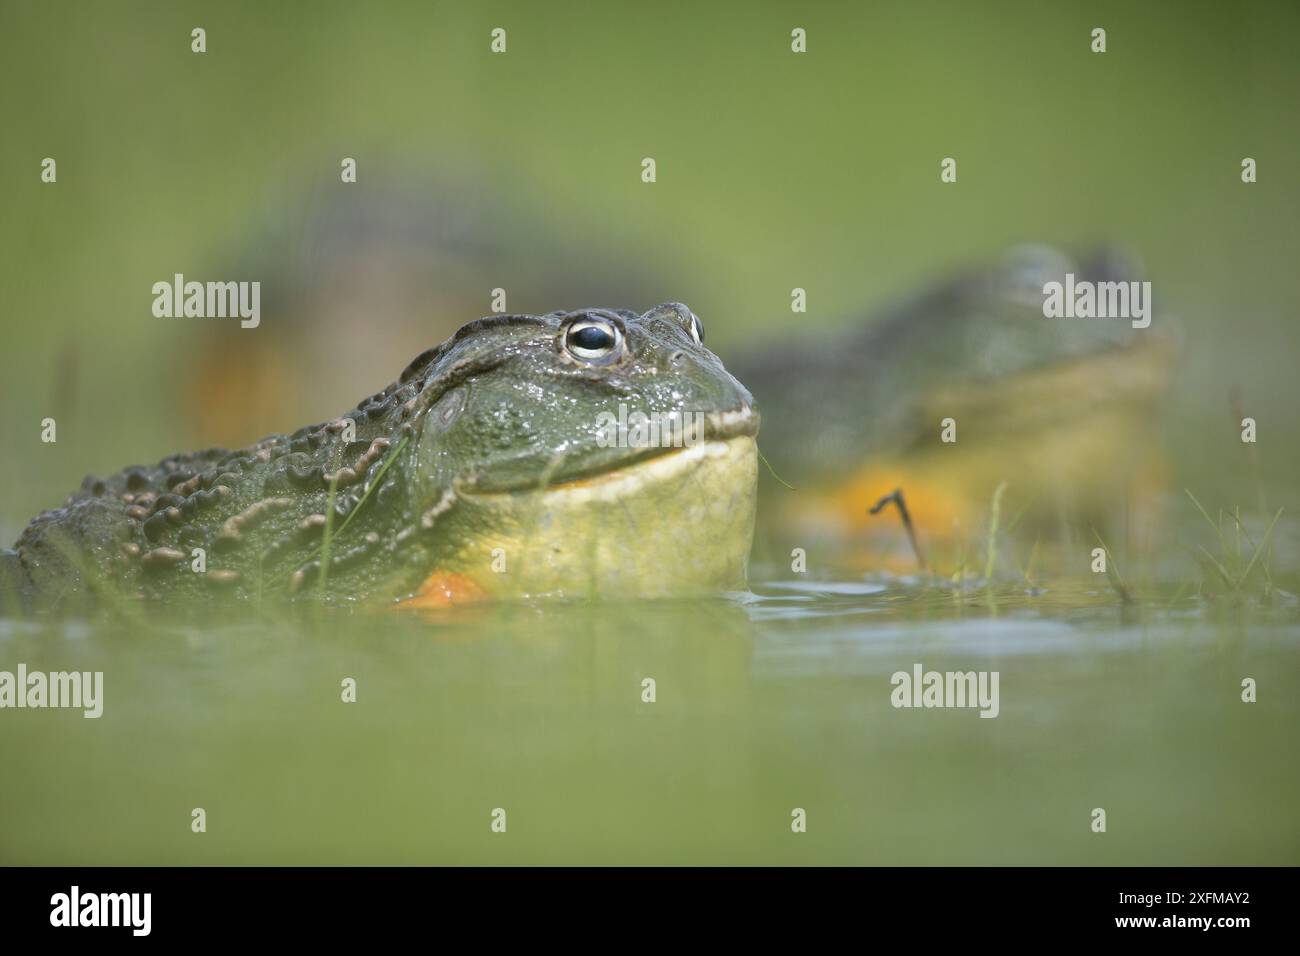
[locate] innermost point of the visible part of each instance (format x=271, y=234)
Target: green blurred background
x=775, y=170
x=522, y=171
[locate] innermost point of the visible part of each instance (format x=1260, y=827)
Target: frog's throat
x=680, y=523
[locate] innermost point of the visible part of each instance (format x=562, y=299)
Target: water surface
x=766, y=701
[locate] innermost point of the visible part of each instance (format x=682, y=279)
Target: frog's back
x=139, y=529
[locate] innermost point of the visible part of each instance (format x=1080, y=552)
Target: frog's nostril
x=677, y=358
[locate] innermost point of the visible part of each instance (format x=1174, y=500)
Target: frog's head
x=596, y=451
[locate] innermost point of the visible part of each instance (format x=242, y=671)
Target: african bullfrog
x=952, y=391
x=488, y=468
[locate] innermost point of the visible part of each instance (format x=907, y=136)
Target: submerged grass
x=991, y=555
x=327, y=539
x=1113, y=574
x=772, y=471
x=1228, y=566
x=110, y=600
x=995, y=515
x=1243, y=564
x=323, y=552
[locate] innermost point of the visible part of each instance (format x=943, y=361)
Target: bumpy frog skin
x=484, y=470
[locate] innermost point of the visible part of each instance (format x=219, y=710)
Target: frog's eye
x=592, y=340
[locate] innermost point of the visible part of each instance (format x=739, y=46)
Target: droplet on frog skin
x=447, y=409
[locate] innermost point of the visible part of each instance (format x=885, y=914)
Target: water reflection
x=762, y=702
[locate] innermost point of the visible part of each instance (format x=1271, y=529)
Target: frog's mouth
x=645, y=473
x=619, y=463
x=657, y=463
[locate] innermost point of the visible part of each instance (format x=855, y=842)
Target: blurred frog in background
x=959, y=388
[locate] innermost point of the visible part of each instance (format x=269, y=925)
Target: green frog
x=515, y=458
x=510, y=460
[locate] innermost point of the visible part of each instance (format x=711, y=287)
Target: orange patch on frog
x=934, y=504
x=443, y=589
